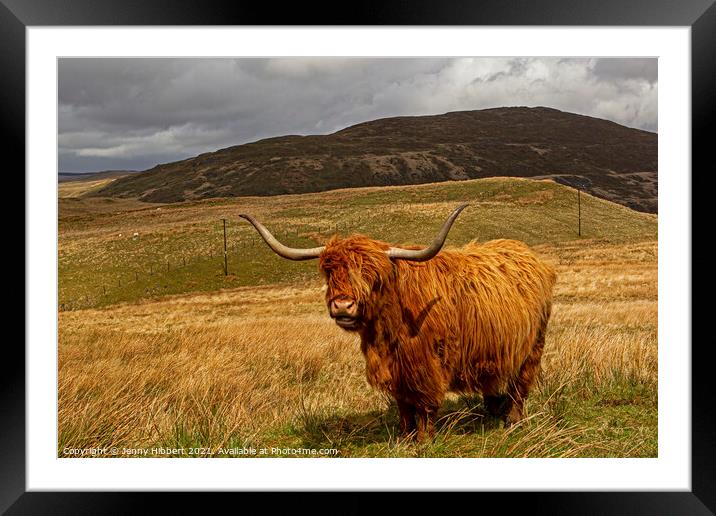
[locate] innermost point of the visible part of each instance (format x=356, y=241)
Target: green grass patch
x=179, y=248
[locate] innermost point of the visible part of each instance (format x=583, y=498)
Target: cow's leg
x=497, y=402
x=407, y=417
x=426, y=416
x=520, y=386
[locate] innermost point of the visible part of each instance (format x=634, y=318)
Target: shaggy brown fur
x=468, y=320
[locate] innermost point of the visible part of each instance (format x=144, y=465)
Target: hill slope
x=65, y=177
x=178, y=247
x=612, y=161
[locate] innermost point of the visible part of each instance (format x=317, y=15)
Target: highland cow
x=430, y=322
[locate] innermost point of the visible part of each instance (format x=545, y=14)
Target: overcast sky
x=136, y=113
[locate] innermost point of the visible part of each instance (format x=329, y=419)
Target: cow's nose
x=343, y=308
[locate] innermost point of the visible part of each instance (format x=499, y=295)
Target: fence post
x=579, y=207
x=226, y=270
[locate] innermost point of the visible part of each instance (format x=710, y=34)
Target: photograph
x=440, y=250
x=357, y=257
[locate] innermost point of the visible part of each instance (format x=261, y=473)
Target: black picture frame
x=700, y=15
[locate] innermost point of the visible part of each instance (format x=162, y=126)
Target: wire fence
x=151, y=273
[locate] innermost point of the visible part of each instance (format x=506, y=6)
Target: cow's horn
x=421, y=255
x=280, y=249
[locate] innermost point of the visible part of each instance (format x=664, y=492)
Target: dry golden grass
x=265, y=366
x=254, y=360
x=71, y=189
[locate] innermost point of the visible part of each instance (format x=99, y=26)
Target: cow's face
x=354, y=268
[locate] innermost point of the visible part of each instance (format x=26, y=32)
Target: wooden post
x=579, y=204
x=226, y=270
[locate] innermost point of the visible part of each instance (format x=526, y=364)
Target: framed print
x=205, y=282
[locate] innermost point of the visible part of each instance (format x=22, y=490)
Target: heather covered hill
x=611, y=161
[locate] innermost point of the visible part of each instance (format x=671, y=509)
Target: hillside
x=178, y=247
x=65, y=177
x=612, y=161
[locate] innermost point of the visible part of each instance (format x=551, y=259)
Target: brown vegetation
x=612, y=161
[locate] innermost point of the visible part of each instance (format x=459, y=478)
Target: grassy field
x=188, y=358
x=75, y=189
x=178, y=248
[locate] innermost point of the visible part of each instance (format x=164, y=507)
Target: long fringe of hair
x=466, y=320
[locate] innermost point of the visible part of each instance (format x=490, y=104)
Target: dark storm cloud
x=135, y=113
